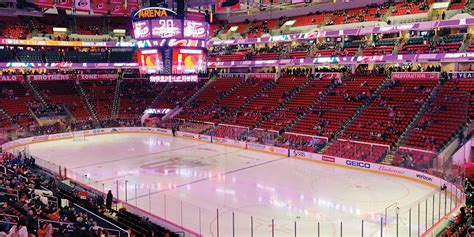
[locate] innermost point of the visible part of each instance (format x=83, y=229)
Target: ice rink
x=187, y=181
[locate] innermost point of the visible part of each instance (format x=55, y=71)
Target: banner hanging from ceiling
x=44, y=3
x=64, y=4
x=132, y=7
x=100, y=7
x=117, y=8
x=82, y=5
x=227, y=5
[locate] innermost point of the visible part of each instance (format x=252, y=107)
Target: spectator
x=19, y=230
x=108, y=201
x=46, y=230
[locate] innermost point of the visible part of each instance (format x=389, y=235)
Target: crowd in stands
x=256, y=28
x=461, y=224
x=48, y=111
x=36, y=212
x=33, y=208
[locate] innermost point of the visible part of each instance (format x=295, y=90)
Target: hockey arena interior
x=228, y=118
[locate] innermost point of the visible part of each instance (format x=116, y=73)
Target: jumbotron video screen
x=181, y=47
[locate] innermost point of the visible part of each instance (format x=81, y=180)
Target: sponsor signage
x=186, y=134
x=97, y=76
x=11, y=78
x=220, y=140
x=204, y=137
x=424, y=177
x=51, y=77
x=232, y=75
x=157, y=111
x=457, y=75
x=359, y=164
x=153, y=12
x=389, y=169
x=328, y=159
x=298, y=153
x=415, y=75
x=173, y=78
x=262, y=75
x=196, y=29
x=163, y=130
x=256, y=146
x=40, y=138
x=278, y=150
x=141, y=30
x=98, y=131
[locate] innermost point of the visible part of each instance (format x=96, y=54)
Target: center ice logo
x=174, y=164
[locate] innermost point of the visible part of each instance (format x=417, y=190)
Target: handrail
x=7, y=222
x=112, y=224
x=366, y=143
x=306, y=135
x=10, y=194
x=416, y=149
x=265, y=130
x=57, y=222
x=231, y=125
x=49, y=196
x=2, y=214
x=70, y=223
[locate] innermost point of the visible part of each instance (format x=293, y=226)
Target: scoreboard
x=163, y=26
x=176, y=61
x=166, y=28
x=170, y=28
x=156, y=23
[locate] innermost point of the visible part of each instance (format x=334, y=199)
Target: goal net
x=78, y=136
